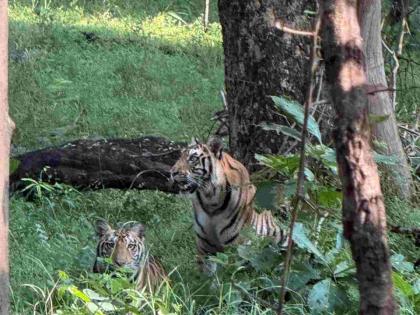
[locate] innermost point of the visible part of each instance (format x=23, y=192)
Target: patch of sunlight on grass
x=171, y=29
x=167, y=26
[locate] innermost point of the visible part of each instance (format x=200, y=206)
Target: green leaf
x=77, y=293
x=119, y=284
x=328, y=197
x=92, y=308
x=266, y=260
x=285, y=165
x=325, y=155
x=416, y=287
x=344, y=269
x=325, y=297
x=399, y=263
x=13, y=165
x=339, y=239
x=309, y=175
x=290, y=132
x=295, y=111
x=220, y=259
x=93, y=295
x=107, y=306
x=301, y=274
x=402, y=285
x=301, y=239
x=63, y=275
x=385, y=159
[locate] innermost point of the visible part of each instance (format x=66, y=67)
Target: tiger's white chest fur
x=216, y=216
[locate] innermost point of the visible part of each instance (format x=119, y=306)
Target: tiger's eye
x=132, y=246
x=193, y=159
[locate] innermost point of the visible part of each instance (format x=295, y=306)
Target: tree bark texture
x=364, y=217
x=261, y=61
x=379, y=100
x=6, y=128
x=141, y=164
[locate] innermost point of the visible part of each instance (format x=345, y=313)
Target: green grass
x=120, y=85
x=148, y=72
x=56, y=233
x=151, y=69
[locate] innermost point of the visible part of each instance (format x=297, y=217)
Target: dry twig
x=280, y=26
x=206, y=15
x=300, y=194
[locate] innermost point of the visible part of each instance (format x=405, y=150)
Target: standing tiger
x=126, y=248
x=222, y=197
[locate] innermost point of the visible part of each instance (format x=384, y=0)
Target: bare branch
x=409, y=130
x=206, y=15
x=280, y=26
x=300, y=194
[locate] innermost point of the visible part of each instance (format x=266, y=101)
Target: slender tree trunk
x=380, y=102
x=364, y=217
x=6, y=127
x=260, y=61
x=206, y=14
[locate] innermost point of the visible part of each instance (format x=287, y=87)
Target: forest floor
x=113, y=69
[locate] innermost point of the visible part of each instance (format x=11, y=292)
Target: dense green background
x=151, y=69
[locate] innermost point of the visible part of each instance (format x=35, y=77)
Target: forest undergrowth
x=103, y=69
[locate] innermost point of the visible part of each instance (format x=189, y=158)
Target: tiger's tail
x=265, y=225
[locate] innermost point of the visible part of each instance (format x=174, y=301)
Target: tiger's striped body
x=126, y=248
x=222, y=197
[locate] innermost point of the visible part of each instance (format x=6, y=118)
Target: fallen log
x=142, y=163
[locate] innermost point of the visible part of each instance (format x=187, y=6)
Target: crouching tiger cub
x=222, y=197
x=126, y=248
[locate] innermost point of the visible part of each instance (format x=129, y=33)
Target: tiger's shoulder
x=238, y=176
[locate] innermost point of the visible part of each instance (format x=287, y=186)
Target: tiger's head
x=198, y=164
x=125, y=246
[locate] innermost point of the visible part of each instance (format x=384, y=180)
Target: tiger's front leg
x=205, y=265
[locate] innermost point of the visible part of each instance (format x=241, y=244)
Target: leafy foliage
x=85, y=69
x=295, y=111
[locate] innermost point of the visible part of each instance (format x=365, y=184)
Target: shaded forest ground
x=110, y=69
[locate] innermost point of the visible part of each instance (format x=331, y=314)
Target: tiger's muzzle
x=183, y=182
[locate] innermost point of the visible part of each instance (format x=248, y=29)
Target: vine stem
x=300, y=191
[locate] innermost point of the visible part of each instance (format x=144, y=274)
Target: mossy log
x=142, y=163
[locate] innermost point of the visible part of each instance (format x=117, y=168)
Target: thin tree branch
x=300, y=192
x=394, y=74
x=206, y=15
x=409, y=130
x=280, y=26
x=404, y=230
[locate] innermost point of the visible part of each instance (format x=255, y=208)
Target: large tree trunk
x=6, y=127
x=380, y=102
x=95, y=164
x=260, y=61
x=364, y=217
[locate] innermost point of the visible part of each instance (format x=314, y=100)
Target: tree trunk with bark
x=364, y=217
x=6, y=128
x=260, y=61
x=95, y=164
x=379, y=98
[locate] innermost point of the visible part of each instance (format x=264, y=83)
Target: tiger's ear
x=138, y=229
x=102, y=227
x=216, y=146
x=194, y=141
